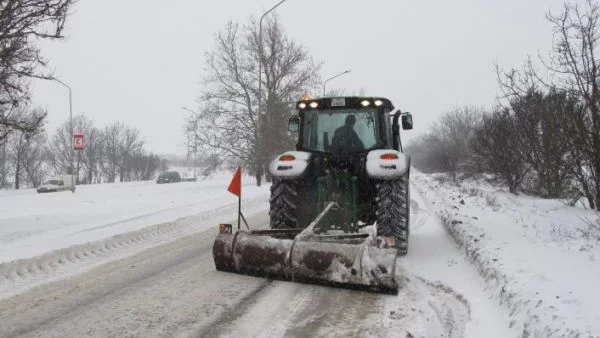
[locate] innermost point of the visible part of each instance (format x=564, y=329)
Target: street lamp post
x=258, y=154
x=333, y=77
x=71, y=127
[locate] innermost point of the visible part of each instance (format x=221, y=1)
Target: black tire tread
x=392, y=210
x=284, y=203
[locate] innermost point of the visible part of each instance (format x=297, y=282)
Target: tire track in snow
x=236, y=311
x=272, y=314
x=167, y=291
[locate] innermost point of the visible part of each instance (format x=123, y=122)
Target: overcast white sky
x=140, y=61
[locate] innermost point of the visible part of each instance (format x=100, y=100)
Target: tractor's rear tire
x=285, y=202
x=392, y=211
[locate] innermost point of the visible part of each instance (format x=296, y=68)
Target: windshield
x=340, y=130
x=52, y=182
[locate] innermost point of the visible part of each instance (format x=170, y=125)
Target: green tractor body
x=348, y=151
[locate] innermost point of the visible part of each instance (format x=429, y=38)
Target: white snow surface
x=50, y=236
x=532, y=253
x=498, y=265
x=32, y=224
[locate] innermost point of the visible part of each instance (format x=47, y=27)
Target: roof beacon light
x=378, y=103
x=302, y=105
x=314, y=104
x=365, y=103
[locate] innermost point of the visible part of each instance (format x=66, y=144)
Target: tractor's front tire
x=285, y=203
x=392, y=211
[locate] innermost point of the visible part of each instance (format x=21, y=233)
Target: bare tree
x=35, y=159
x=144, y=166
x=446, y=147
x=121, y=145
x=112, y=142
x=22, y=24
x=164, y=165
x=62, y=155
x=4, y=164
x=543, y=122
x=131, y=146
x=93, y=154
x=573, y=68
x=427, y=153
x=498, y=144
x=453, y=133
x=227, y=120
x=25, y=151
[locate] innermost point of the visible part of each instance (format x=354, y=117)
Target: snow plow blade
x=347, y=260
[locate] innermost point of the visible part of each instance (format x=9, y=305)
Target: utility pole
x=71, y=128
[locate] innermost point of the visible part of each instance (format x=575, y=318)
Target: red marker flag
x=235, y=187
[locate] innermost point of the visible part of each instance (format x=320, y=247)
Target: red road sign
x=78, y=142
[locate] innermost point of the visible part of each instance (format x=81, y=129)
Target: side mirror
x=60, y=183
x=294, y=124
x=407, y=122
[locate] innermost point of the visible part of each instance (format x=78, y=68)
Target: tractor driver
x=345, y=138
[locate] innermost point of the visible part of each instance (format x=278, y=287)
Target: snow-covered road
x=173, y=290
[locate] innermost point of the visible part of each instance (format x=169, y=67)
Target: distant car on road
x=168, y=177
x=58, y=183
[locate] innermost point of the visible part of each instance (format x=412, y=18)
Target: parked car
x=169, y=177
x=58, y=183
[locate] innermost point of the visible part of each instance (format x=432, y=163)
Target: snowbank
x=533, y=253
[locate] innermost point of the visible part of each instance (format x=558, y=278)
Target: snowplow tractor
x=339, y=206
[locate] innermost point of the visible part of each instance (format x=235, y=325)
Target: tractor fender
x=388, y=168
x=291, y=164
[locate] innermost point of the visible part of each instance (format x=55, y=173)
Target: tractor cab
x=345, y=125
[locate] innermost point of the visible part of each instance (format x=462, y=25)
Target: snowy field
x=59, y=234
x=173, y=290
x=481, y=263
x=539, y=257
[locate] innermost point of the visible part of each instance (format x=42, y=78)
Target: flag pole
x=240, y=200
x=235, y=187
